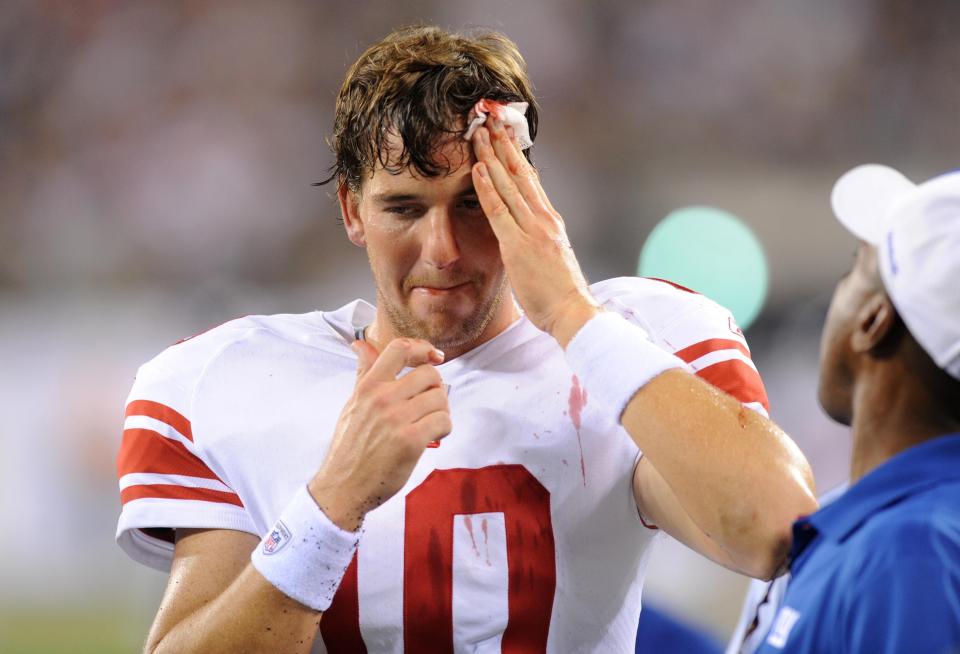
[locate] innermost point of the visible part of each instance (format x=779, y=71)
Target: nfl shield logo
x=276, y=539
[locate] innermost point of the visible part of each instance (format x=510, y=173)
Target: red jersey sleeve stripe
x=172, y=492
x=673, y=284
x=697, y=350
x=738, y=379
x=161, y=412
x=144, y=450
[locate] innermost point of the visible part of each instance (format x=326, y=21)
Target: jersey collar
x=352, y=318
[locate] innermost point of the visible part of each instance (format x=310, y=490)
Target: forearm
x=250, y=615
x=739, y=477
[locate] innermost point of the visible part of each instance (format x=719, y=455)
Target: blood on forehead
x=491, y=107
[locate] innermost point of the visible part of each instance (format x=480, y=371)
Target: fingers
x=425, y=403
x=417, y=381
x=502, y=222
x=525, y=175
x=432, y=427
x=533, y=179
x=500, y=177
x=403, y=353
x=366, y=356
x=512, y=175
x=522, y=173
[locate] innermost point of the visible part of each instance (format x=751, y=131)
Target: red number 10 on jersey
x=428, y=562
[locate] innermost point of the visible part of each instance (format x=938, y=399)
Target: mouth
x=439, y=290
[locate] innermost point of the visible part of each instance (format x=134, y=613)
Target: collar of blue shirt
x=908, y=473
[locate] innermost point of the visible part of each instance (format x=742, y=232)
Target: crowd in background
x=156, y=162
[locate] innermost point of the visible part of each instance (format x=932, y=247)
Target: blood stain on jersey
x=577, y=401
x=486, y=539
x=468, y=521
x=733, y=326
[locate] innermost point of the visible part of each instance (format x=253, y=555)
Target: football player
x=482, y=461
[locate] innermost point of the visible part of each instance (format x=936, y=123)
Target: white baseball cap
x=916, y=230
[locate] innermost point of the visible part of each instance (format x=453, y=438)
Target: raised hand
x=536, y=252
x=383, y=429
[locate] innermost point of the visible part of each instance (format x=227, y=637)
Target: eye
x=471, y=204
x=403, y=210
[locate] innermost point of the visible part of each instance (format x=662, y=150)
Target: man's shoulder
x=932, y=514
x=659, y=302
x=201, y=347
x=184, y=362
x=922, y=528
x=650, y=289
x=693, y=327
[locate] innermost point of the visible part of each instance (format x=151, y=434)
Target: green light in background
x=712, y=252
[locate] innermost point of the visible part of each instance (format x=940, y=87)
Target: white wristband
x=614, y=358
x=305, y=554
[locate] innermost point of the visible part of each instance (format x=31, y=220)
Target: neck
x=893, y=411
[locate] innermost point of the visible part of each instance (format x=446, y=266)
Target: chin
x=834, y=402
x=443, y=325
x=449, y=331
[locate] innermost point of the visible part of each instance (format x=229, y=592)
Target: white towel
x=511, y=113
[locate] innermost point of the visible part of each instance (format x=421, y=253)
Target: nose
x=440, y=248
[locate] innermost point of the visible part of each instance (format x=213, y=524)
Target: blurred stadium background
x=155, y=170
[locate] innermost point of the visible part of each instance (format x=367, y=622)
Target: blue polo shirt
x=879, y=569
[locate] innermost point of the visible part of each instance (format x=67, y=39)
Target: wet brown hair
x=416, y=86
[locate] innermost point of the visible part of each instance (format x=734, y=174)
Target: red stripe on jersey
x=144, y=450
x=697, y=350
x=174, y=492
x=738, y=379
x=340, y=627
x=160, y=412
x=651, y=527
x=673, y=284
x=209, y=329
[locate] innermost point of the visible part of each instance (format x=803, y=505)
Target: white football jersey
x=519, y=533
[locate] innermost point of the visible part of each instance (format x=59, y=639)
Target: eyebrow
x=386, y=198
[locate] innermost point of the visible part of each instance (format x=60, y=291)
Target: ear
x=350, y=210
x=875, y=321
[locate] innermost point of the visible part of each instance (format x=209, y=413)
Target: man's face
x=837, y=358
x=434, y=257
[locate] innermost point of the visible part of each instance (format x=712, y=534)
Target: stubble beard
x=440, y=333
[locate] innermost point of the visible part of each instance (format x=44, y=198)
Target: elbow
x=154, y=645
x=769, y=544
x=771, y=561
x=757, y=557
